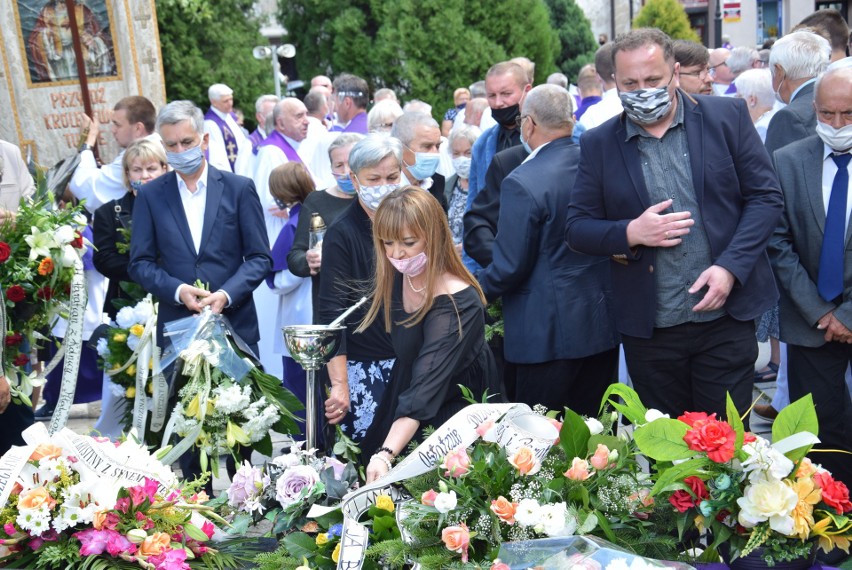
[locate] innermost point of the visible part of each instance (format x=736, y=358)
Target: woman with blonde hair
x=433, y=309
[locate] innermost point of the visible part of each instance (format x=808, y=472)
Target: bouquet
x=38, y=253
x=227, y=402
x=75, y=498
x=747, y=492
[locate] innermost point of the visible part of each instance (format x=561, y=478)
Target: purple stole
x=732, y=89
x=276, y=139
x=231, y=146
x=283, y=244
x=256, y=138
x=89, y=256
x=358, y=124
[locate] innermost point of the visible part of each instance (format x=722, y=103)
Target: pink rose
x=428, y=498
x=500, y=565
x=558, y=425
x=579, y=470
x=483, y=428
x=525, y=462
x=457, y=463
x=601, y=457
x=457, y=539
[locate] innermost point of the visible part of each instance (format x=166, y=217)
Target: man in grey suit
x=795, y=62
x=811, y=255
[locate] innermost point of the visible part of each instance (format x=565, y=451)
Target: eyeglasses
x=519, y=120
x=713, y=68
x=700, y=73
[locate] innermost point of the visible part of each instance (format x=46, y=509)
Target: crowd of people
x=680, y=204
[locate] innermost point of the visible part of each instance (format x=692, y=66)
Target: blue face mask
x=188, y=161
x=425, y=165
x=135, y=185
x=345, y=184
x=525, y=143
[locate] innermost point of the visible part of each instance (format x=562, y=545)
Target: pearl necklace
x=413, y=288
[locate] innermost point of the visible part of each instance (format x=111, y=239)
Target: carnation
x=528, y=512
x=125, y=318
x=552, y=519
x=445, y=502
x=232, y=399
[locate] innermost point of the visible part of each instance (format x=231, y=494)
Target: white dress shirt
x=194, y=205
x=608, y=107
x=829, y=170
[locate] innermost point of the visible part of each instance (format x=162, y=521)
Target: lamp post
x=717, y=25
x=273, y=53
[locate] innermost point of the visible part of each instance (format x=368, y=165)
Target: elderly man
x=795, y=62
x=693, y=59
x=549, y=292
x=220, y=122
x=132, y=119
x=814, y=267
x=741, y=59
x=720, y=72
x=263, y=107
x=421, y=138
x=351, y=97
x=684, y=199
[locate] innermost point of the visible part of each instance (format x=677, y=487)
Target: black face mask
x=506, y=116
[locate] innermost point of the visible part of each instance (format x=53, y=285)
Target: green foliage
x=577, y=44
x=420, y=48
x=667, y=15
x=210, y=42
x=662, y=440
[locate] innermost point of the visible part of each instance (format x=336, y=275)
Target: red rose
x=5, y=251
x=77, y=242
x=699, y=489
x=695, y=419
x=834, y=493
x=682, y=500
x=749, y=437
x=715, y=437
x=45, y=293
x=21, y=360
x=16, y=293
x=14, y=339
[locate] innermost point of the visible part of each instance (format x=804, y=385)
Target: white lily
x=40, y=243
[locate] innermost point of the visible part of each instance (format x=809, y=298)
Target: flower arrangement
x=73, y=500
x=481, y=497
x=747, y=492
x=38, y=250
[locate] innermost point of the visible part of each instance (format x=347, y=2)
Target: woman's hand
x=314, y=259
x=337, y=404
x=376, y=468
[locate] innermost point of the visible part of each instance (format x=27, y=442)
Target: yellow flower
x=335, y=556
x=150, y=387
x=131, y=370
x=322, y=538
x=192, y=409
x=137, y=329
x=803, y=514
x=119, y=337
x=385, y=503
x=130, y=392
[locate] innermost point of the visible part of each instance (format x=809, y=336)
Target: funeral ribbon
x=459, y=431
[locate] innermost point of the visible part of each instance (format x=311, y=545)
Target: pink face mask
x=411, y=266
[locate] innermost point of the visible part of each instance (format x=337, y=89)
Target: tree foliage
x=210, y=42
x=667, y=15
x=422, y=49
x=577, y=43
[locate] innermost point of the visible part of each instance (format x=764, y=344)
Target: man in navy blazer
x=559, y=326
x=681, y=194
x=198, y=223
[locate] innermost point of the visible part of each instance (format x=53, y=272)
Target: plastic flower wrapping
x=749, y=492
x=70, y=498
x=38, y=253
x=226, y=401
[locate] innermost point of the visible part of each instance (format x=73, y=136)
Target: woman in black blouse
x=436, y=321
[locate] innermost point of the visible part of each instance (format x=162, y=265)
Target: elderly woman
x=383, y=115
x=361, y=370
x=461, y=143
x=755, y=86
x=433, y=309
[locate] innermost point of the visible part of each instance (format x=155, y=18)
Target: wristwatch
x=85, y=146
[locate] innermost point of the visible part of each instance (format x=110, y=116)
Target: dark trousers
x=821, y=372
x=576, y=383
x=14, y=421
x=690, y=367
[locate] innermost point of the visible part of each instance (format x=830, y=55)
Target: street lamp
x=717, y=25
x=273, y=53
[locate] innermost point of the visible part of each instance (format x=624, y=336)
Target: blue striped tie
x=830, y=279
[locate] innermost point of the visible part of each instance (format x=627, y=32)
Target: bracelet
x=382, y=459
x=387, y=450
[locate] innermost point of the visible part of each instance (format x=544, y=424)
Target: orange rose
x=36, y=498
x=504, y=510
x=46, y=451
x=155, y=544
x=601, y=457
x=579, y=470
x=525, y=462
x=98, y=519
x=457, y=539
x=45, y=267
x=806, y=468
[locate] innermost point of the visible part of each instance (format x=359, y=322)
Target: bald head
x=833, y=97
x=291, y=118
x=321, y=81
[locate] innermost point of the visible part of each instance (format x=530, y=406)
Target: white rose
x=553, y=519
x=654, y=414
x=445, y=502
x=770, y=500
x=594, y=426
x=528, y=512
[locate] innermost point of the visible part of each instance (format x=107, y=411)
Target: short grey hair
x=558, y=79
x=373, y=149
x=218, y=90
x=469, y=132
x=801, y=55
x=756, y=83
x=405, y=125
x=550, y=106
x=344, y=139
x=383, y=112
x=258, y=105
x=179, y=111
x=416, y=105
x=741, y=59
x=477, y=89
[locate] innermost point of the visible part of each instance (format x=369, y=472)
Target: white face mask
x=838, y=139
x=462, y=166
